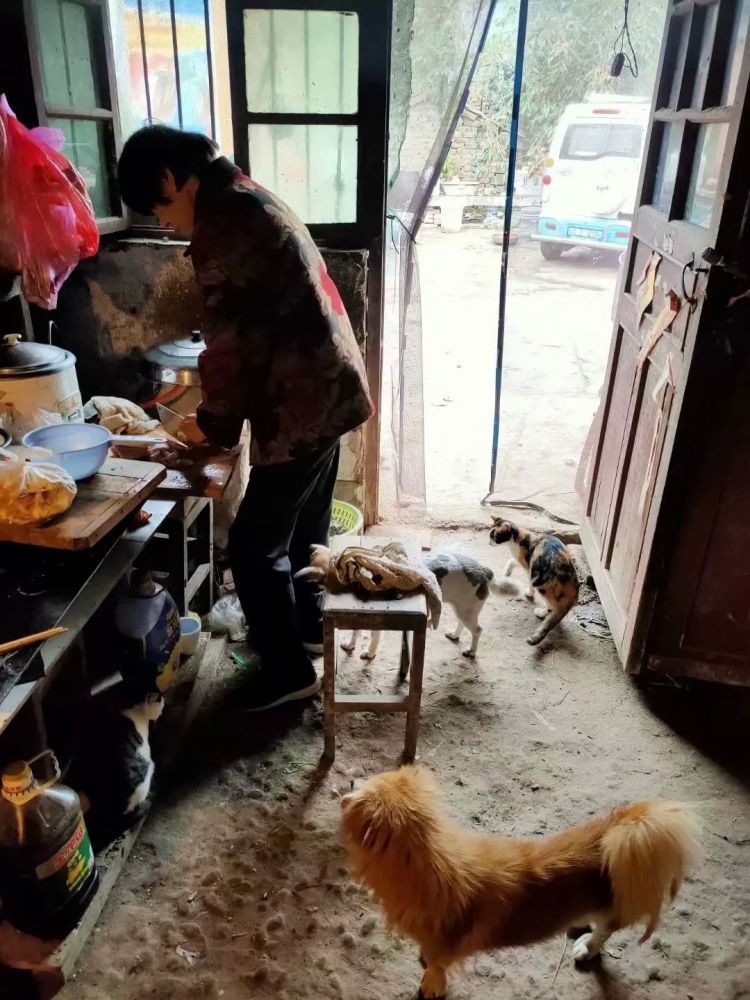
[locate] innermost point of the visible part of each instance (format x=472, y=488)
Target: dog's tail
x=647, y=851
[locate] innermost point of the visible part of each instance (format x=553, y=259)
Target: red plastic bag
x=47, y=221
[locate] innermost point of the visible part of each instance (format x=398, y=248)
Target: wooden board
x=208, y=476
x=102, y=502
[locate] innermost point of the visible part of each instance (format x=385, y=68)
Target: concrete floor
x=558, y=330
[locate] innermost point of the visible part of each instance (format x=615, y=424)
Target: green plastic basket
x=346, y=519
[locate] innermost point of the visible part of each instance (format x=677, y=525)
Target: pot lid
x=182, y=353
x=26, y=357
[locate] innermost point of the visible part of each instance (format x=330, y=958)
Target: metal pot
x=176, y=363
x=37, y=376
x=172, y=372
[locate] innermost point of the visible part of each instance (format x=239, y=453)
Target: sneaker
x=269, y=692
x=313, y=648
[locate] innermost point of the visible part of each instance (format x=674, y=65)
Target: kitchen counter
x=42, y=588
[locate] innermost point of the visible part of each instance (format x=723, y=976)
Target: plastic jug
x=47, y=869
x=148, y=624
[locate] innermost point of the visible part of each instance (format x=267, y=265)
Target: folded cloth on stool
x=383, y=571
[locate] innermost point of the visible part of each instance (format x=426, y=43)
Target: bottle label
x=65, y=872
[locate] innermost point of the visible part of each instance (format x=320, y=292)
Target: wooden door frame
x=630, y=624
x=367, y=233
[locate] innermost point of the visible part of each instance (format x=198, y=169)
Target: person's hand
x=189, y=431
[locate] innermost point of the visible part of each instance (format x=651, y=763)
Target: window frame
x=372, y=92
x=103, y=69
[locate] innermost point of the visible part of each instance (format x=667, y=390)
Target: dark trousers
x=285, y=510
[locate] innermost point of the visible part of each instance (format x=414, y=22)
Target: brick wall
x=467, y=150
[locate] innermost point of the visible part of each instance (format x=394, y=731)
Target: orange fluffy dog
x=456, y=893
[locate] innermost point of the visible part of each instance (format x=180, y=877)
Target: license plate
x=586, y=234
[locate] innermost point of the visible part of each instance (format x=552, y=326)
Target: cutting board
x=102, y=502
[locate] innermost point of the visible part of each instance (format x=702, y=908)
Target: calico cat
x=551, y=570
x=115, y=768
x=465, y=584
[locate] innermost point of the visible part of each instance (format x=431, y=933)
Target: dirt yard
x=238, y=886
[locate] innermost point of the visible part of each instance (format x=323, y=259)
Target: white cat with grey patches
x=465, y=585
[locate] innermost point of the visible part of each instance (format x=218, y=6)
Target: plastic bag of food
x=33, y=493
x=29, y=420
x=11, y=472
x=226, y=616
x=47, y=221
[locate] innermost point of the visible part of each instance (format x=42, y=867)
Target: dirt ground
x=558, y=331
x=238, y=886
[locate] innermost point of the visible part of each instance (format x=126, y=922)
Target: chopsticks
x=29, y=640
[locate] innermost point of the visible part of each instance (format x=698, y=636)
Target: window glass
x=85, y=145
x=65, y=32
x=162, y=80
x=192, y=61
x=592, y=141
x=736, y=51
x=709, y=152
x=192, y=58
x=666, y=168
x=705, y=18
x=299, y=61
x=313, y=168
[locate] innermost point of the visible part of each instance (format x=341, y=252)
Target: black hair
x=151, y=151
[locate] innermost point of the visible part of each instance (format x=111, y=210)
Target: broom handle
x=29, y=640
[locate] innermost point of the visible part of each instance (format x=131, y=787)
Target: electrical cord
x=624, y=53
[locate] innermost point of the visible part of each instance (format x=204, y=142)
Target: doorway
x=560, y=295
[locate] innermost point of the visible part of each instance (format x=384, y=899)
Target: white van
x=591, y=174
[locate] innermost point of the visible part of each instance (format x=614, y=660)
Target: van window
x=591, y=141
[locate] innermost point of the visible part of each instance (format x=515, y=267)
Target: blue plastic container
x=79, y=448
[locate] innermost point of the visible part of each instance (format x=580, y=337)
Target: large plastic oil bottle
x=47, y=869
x=148, y=626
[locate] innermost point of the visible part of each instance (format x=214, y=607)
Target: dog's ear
x=365, y=823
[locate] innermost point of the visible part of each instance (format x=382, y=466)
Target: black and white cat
x=115, y=767
x=465, y=585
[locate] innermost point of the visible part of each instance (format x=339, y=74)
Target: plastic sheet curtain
x=435, y=47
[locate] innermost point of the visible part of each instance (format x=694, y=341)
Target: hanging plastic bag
x=47, y=221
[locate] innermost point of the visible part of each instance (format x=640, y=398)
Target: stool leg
x=329, y=690
x=415, y=695
x=403, y=670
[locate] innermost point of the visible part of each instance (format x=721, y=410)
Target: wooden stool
x=347, y=612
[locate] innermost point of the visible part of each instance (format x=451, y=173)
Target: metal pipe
x=209, y=67
x=175, y=59
x=523, y=11
x=142, y=31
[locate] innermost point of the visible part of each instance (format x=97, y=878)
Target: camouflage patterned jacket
x=280, y=350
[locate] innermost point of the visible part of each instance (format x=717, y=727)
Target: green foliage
x=569, y=51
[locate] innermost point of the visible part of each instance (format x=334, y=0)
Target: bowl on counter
x=79, y=448
x=82, y=448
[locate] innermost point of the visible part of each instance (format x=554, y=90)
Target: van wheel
x=551, y=251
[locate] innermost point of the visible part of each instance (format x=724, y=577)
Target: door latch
x=716, y=259
x=690, y=297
